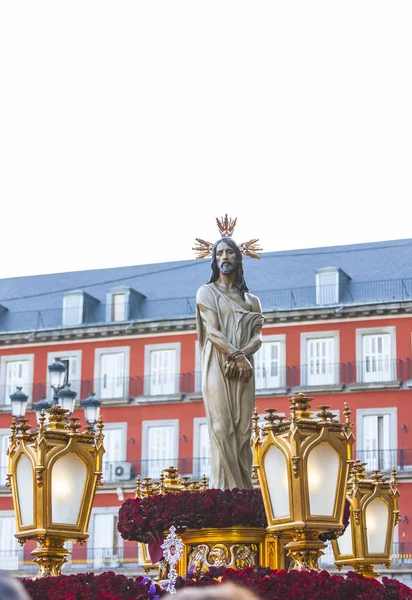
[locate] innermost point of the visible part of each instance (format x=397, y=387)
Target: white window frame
x=393, y=433
x=199, y=468
x=149, y=348
x=11, y=563
x=281, y=339
x=98, y=353
x=98, y=562
x=4, y=360
x=70, y=322
x=145, y=440
x=75, y=384
x=124, y=291
x=333, y=378
x=331, y=295
x=109, y=466
x=4, y=459
x=360, y=366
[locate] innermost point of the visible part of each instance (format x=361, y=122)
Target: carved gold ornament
x=226, y=226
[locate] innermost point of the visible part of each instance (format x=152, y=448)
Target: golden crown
x=226, y=226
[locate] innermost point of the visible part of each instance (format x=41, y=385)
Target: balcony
x=327, y=376
x=126, y=471
x=384, y=460
x=83, y=558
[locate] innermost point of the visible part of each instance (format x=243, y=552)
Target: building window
x=162, y=369
x=16, y=371
x=115, y=467
x=327, y=286
x=105, y=550
x=376, y=438
x=9, y=547
x=73, y=362
x=118, y=307
x=270, y=363
x=72, y=309
x=4, y=444
x=159, y=446
x=320, y=358
x=201, y=448
x=111, y=372
x=376, y=355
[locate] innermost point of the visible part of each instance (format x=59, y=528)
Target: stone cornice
x=108, y=330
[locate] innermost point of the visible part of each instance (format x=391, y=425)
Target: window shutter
x=370, y=441
x=162, y=372
x=321, y=368
x=160, y=448
x=203, y=466
x=112, y=375
x=17, y=375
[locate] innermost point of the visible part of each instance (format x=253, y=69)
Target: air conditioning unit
x=122, y=471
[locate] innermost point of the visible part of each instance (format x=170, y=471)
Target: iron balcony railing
x=316, y=374
x=384, y=460
x=99, y=313
x=376, y=370
x=118, y=471
x=82, y=558
x=401, y=555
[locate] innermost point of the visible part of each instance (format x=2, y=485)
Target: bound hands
x=237, y=366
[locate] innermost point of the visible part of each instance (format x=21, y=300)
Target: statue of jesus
x=229, y=325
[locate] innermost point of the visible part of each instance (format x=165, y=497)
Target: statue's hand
x=244, y=366
x=230, y=369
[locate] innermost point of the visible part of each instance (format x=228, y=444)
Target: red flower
x=144, y=519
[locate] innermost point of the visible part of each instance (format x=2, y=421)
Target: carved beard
x=226, y=269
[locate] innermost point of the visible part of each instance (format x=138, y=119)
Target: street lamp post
x=91, y=406
x=57, y=372
x=53, y=473
x=18, y=403
x=302, y=463
x=374, y=514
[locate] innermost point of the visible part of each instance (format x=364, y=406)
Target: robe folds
x=228, y=402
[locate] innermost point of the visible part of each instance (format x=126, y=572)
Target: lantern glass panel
x=323, y=472
x=68, y=481
x=276, y=472
x=345, y=542
x=25, y=490
x=377, y=517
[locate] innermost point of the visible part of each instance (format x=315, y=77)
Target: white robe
x=228, y=402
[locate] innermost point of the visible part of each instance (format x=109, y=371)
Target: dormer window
x=78, y=308
x=331, y=285
x=118, y=307
x=73, y=309
x=122, y=304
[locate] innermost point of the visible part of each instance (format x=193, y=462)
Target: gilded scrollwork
x=236, y=556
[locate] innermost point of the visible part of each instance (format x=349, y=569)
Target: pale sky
x=126, y=127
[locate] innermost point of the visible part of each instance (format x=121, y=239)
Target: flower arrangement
x=146, y=519
x=89, y=586
x=302, y=585
x=266, y=584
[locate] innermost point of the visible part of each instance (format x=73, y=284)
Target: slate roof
x=378, y=272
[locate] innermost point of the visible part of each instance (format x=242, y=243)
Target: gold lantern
x=303, y=465
x=53, y=473
x=374, y=514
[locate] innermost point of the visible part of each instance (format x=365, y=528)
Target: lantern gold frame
x=364, y=489
x=292, y=441
x=32, y=458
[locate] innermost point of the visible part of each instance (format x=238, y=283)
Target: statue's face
x=225, y=258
